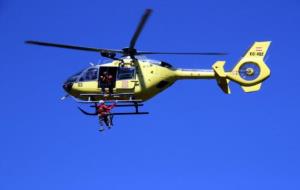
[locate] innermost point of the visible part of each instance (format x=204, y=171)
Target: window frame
x=83, y=74
x=133, y=74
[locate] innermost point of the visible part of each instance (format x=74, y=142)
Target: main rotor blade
x=139, y=28
x=73, y=47
x=181, y=53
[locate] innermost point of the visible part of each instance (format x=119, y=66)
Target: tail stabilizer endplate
x=221, y=76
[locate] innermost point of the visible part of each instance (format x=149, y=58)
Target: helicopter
x=136, y=79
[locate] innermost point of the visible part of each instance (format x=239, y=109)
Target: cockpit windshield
x=90, y=74
x=84, y=75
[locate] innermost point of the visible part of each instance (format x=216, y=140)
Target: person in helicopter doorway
x=104, y=114
x=106, y=81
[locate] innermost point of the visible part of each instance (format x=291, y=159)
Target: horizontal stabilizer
x=253, y=88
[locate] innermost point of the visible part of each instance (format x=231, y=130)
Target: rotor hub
x=250, y=71
x=129, y=51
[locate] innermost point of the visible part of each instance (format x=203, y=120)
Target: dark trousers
x=109, y=86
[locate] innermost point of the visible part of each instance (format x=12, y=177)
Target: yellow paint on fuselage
x=152, y=77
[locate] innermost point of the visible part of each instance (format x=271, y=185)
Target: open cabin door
x=109, y=71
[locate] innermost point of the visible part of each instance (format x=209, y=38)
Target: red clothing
x=104, y=109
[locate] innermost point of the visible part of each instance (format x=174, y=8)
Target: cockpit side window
x=126, y=73
x=90, y=74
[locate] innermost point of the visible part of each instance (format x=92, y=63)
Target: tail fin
x=249, y=72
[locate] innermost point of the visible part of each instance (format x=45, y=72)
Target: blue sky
x=195, y=138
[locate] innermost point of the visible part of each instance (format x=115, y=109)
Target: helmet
x=101, y=102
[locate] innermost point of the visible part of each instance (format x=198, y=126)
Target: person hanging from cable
x=104, y=114
x=106, y=81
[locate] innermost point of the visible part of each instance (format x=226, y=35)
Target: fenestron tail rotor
x=129, y=51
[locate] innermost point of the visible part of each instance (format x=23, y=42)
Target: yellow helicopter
x=135, y=79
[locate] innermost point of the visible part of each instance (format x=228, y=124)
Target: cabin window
x=90, y=74
x=126, y=73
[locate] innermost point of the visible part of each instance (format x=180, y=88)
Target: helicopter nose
x=68, y=86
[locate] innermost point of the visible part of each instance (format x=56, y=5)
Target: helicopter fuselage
x=132, y=79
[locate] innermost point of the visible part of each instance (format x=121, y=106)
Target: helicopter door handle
x=136, y=82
